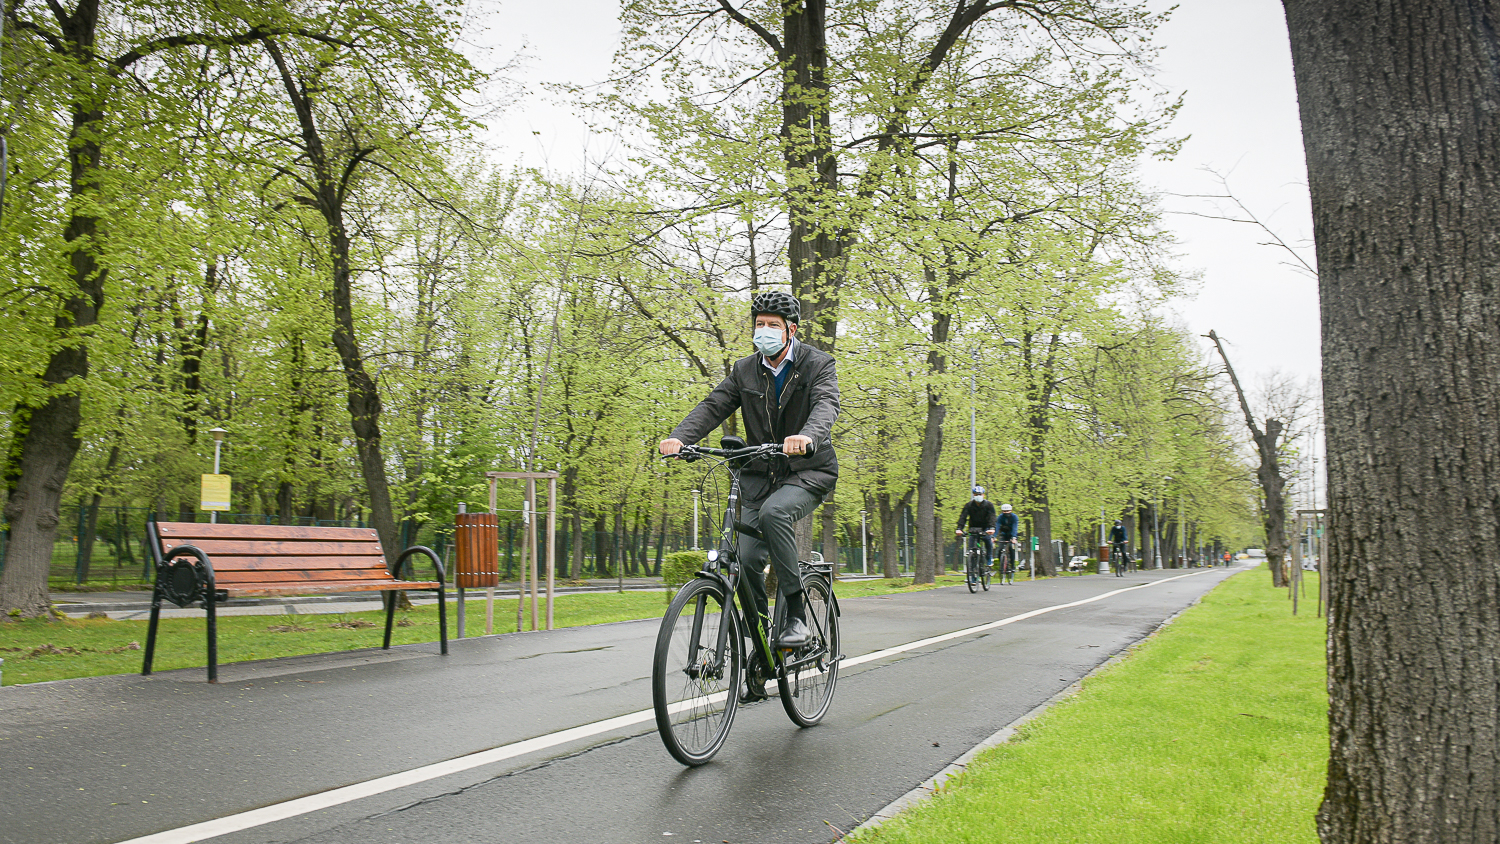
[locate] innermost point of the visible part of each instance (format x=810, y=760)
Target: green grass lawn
x=38, y=650
x=1215, y=731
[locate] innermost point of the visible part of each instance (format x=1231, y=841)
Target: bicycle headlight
x=713, y=555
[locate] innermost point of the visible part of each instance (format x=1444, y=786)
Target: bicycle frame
x=724, y=566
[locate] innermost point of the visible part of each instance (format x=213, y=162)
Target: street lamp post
x=973, y=427
x=1156, y=523
x=1181, y=531
x=213, y=515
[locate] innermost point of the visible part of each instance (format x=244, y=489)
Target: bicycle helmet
x=979, y=490
x=1005, y=508
x=784, y=305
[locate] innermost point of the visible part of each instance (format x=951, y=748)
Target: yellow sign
x=215, y=493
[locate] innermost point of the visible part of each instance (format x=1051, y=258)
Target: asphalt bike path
x=548, y=736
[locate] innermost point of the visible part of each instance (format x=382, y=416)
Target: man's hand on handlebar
x=797, y=444
x=669, y=447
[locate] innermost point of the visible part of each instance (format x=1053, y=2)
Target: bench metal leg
x=390, y=616
x=213, y=635
x=443, y=615
x=151, y=630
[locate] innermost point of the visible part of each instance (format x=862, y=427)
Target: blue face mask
x=768, y=341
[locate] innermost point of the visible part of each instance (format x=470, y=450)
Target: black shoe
x=755, y=689
x=794, y=634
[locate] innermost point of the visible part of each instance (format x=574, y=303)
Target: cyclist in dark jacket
x=979, y=514
x=1117, y=541
x=787, y=392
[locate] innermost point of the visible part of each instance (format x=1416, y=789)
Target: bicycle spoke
x=809, y=674
x=696, y=673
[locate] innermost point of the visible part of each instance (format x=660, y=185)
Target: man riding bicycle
x=787, y=392
x=979, y=515
x=1117, y=541
x=1007, y=526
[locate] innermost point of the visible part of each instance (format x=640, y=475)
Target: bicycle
x=976, y=562
x=1121, y=558
x=700, y=659
x=1007, y=562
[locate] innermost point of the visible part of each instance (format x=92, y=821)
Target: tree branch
x=761, y=32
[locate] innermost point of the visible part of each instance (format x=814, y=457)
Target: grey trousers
x=776, y=517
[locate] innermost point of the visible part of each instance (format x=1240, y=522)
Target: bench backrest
x=271, y=553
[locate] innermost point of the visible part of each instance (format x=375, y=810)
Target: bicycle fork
x=715, y=667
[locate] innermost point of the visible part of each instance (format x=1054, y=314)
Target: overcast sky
x=1229, y=58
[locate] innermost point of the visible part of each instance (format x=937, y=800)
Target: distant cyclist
x=979, y=515
x=1117, y=541
x=1007, y=527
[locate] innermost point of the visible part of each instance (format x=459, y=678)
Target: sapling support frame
x=530, y=541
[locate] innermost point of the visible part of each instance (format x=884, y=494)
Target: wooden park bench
x=215, y=562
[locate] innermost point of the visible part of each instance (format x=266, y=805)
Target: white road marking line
x=970, y=631
x=391, y=782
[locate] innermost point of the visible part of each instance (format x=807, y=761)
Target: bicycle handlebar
x=690, y=453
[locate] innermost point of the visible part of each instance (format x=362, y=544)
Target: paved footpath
x=547, y=736
x=137, y=605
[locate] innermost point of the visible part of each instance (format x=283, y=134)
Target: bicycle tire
x=810, y=673
x=971, y=551
x=695, y=690
x=984, y=575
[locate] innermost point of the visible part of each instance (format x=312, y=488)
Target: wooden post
x=531, y=539
x=521, y=570
x=551, y=543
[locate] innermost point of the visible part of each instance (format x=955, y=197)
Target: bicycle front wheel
x=971, y=576
x=809, y=673
x=696, y=674
x=984, y=574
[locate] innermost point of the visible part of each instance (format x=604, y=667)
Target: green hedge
x=679, y=566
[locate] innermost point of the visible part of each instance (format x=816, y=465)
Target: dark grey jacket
x=809, y=404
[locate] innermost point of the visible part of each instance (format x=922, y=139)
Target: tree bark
x=46, y=434
x=813, y=251
x=890, y=533
x=928, y=561
x=1042, y=386
x=1400, y=105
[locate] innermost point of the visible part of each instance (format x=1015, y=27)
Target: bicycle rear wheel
x=696, y=673
x=810, y=673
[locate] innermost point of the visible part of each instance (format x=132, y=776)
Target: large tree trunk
x=926, y=562
x=1400, y=104
x=929, y=547
x=890, y=550
x=364, y=398
x=46, y=435
x=813, y=251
